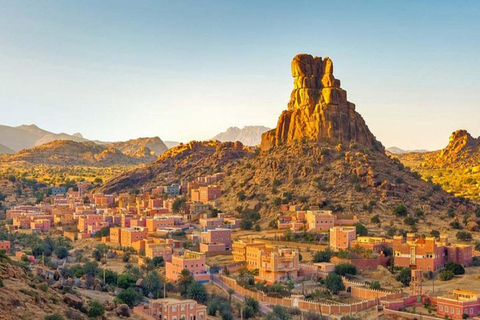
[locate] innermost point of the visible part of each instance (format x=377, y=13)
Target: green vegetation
x=343, y=269
x=361, y=230
x=334, y=283
x=404, y=276
x=96, y=309
x=446, y=275
x=323, y=256
x=128, y=296
x=400, y=211
x=464, y=236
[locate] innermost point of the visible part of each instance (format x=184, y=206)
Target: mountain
x=188, y=160
x=171, y=144
x=321, y=153
x=28, y=136
x=456, y=167
x=69, y=153
x=396, y=150
x=5, y=150
x=248, y=135
x=141, y=147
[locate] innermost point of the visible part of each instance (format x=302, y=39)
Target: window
x=440, y=308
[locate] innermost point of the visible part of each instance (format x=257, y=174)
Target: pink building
x=5, y=245
x=212, y=223
x=341, y=237
x=218, y=236
x=41, y=224
x=89, y=220
x=458, y=303
x=195, y=262
x=171, y=309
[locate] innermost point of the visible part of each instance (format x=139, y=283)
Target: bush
x=456, y=268
x=43, y=286
x=375, y=285
x=96, y=309
x=345, y=268
x=435, y=233
x=446, y=275
x=410, y=221
x=126, y=281
x=61, y=252
x=464, y=236
x=400, y=211
x=128, y=296
x=323, y=256
x=375, y=219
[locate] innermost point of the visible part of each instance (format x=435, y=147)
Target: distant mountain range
x=68, y=152
x=248, y=135
x=14, y=139
x=396, y=150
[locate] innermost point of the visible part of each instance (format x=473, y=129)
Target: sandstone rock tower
x=318, y=109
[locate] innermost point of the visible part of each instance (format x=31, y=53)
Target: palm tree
x=185, y=278
x=230, y=291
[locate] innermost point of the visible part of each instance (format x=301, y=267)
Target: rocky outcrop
x=318, y=109
x=248, y=135
x=461, y=145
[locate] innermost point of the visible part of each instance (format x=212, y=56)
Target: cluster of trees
x=48, y=246
x=451, y=270
x=249, y=218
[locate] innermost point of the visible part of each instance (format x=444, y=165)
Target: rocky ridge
x=67, y=152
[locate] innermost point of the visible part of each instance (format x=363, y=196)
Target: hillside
x=5, y=150
x=141, y=147
x=185, y=161
x=29, y=136
x=71, y=153
x=456, y=167
x=248, y=135
x=321, y=153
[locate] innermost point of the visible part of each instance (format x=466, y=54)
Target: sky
x=187, y=70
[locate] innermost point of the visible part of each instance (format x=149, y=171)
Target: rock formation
x=318, y=109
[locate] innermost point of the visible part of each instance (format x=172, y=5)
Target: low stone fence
x=301, y=303
x=395, y=314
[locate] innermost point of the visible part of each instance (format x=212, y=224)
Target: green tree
x=184, y=280
x=345, y=268
x=126, y=280
x=456, y=268
x=128, y=296
x=197, y=292
x=323, y=256
x=61, y=252
x=361, y=230
x=96, y=309
x=153, y=285
x=404, y=276
x=252, y=303
x=334, y=283
x=278, y=313
x=375, y=219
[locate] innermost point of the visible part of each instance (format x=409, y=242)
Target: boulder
x=122, y=310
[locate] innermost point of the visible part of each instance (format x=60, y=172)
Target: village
x=310, y=260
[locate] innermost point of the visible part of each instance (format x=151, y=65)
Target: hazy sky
x=184, y=70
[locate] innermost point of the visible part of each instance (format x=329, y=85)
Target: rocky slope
x=141, y=147
x=69, y=153
x=248, y=135
x=185, y=161
x=456, y=167
x=318, y=109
